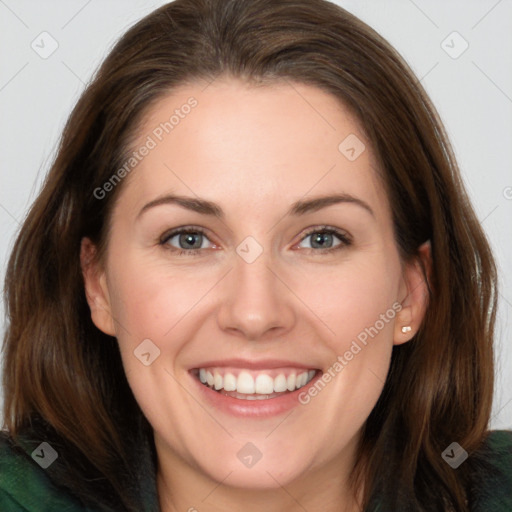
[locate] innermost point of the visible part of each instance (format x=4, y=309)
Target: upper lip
x=262, y=364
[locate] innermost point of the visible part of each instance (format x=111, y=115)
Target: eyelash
x=343, y=236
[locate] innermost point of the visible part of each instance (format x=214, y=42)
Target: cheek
x=358, y=304
x=153, y=301
x=354, y=378
x=356, y=300
x=150, y=303
x=150, y=300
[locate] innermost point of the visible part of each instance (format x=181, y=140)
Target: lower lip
x=253, y=408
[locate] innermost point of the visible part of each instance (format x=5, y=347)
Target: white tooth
x=264, y=384
x=245, y=383
x=301, y=379
x=291, y=381
x=217, y=380
x=280, y=383
x=229, y=382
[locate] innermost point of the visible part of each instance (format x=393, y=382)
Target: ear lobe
x=415, y=293
x=96, y=289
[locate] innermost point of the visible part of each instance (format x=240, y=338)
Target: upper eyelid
x=183, y=229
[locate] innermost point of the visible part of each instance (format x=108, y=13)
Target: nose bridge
x=256, y=300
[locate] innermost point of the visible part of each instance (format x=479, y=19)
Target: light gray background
x=472, y=92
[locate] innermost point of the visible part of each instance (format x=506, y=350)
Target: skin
x=254, y=152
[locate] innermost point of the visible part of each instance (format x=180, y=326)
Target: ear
x=96, y=289
x=414, y=294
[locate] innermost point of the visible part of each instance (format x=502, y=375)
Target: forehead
x=250, y=146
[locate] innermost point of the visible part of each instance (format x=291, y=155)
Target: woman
x=252, y=280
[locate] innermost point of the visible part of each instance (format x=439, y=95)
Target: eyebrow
x=298, y=208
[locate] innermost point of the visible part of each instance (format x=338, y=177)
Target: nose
x=256, y=304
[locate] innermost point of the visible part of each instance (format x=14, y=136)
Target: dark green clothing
x=26, y=487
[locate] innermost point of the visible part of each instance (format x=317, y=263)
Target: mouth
x=249, y=384
x=253, y=389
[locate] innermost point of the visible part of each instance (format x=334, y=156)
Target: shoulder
x=24, y=484
x=492, y=473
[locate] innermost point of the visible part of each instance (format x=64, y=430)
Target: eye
x=323, y=238
x=189, y=240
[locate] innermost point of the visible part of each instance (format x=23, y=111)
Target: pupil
x=321, y=238
x=188, y=239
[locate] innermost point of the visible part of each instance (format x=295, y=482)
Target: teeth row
x=262, y=384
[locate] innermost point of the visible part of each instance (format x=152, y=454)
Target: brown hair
x=64, y=378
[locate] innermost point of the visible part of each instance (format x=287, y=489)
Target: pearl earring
x=406, y=328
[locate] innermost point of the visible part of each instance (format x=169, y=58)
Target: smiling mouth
x=254, y=385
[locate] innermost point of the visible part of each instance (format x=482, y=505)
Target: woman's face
x=268, y=288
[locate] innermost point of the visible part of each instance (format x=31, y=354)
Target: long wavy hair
x=63, y=379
